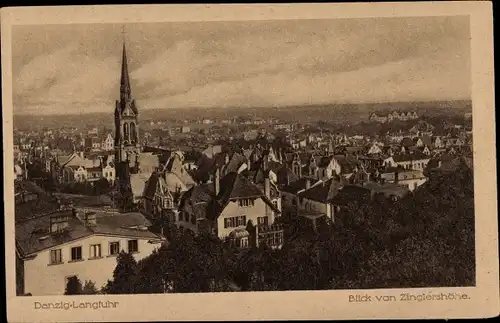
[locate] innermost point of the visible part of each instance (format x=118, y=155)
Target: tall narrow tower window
x=133, y=134
x=126, y=132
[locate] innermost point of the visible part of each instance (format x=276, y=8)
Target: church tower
x=127, y=143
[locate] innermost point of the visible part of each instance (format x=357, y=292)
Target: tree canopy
x=424, y=239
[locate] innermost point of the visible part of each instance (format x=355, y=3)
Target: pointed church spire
x=125, y=91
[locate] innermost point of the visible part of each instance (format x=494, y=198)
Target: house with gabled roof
x=234, y=209
x=290, y=192
x=108, y=143
x=412, y=179
x=241, y=205
x=77, y=168
x=54, y=247
x=348, y=164
x=412, y=160
x=157, y=197
x=328, y=166
x=318, y=198
x=374, y=149
x=422, y=141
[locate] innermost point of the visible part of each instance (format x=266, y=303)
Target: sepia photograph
x=245, y=155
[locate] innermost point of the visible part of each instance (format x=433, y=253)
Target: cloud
x=412, y=78
x=42, y=70
x=247, y=64
x=65, y=77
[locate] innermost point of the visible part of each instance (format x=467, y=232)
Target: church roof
x=125, y=89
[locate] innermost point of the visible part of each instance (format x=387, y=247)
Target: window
x=279, y=238
x=133, y=246
x=55, y=257
x=114, y=248
x=246, y=202
x=263, y=220
x=272, y=240
x=76, y=253
x=235, y=221
x=242, y=220
x=167, y=203
x=95, y=251
x=126, y=132
x=244, y=242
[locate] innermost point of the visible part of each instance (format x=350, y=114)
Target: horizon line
x=254, y=107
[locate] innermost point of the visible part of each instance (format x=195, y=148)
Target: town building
x=393, y=116
x=413, y=160
x=234, y=209
x=54, y=247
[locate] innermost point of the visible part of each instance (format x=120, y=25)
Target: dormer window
x=246, y=202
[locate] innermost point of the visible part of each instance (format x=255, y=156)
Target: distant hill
x=311, y=113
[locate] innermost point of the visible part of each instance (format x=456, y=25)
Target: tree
x=124, y=275
x=198, y=262
x=425, y=239
x=73, y=286
x=101, y=186
x=155, y=273
x=89, y=288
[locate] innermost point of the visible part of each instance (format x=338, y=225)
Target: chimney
x=90, y=219
x=58, y=223
x=308, y=183
x=439, y=164
x=217, y=181
x=137, y=162
x=396, y=177
x=59, y=204
x=81, y=154
x=267, y=185
x=265, y=162
x=249, y=163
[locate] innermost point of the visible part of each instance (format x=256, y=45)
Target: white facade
x=316, y=206
x=109, y=143
x=43, y=278
x=256, y=209
x=412, y=183
x=418, y=164
x=332, y=168
x=109, y=173
x=374, y=149
x=72, y=175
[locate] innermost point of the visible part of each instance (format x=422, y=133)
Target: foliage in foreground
x=425, y=239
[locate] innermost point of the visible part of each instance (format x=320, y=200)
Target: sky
x=60, y=69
